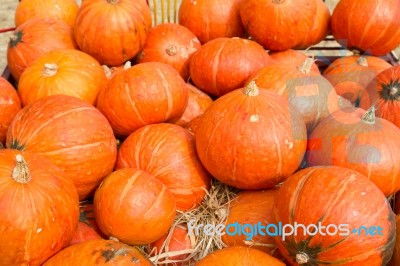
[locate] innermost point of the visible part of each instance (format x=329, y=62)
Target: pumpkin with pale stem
x=263, y=134
x=43, y=219
x=10, y=104
x=293, y=58
x=356, y=139
x=67, y=72
x=336, y=205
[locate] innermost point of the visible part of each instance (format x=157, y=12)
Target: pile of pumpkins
x=113, y=128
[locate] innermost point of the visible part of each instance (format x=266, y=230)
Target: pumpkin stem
x=171, y=50
x=21, y=172
x=15, y=38
x=251, y=89
x=278, y=1
x=113, y=238
x=305, y=68
x=50, y=70
x=113, y=2
x=302, y=258
x=369, y=116
x=107, y=71
x=362, y=61
x=127, y=65
x=393, y=91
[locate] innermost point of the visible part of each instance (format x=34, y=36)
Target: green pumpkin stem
x=21, y=172
x=15, y=38
x=369, y=116
x=362, y=61
x=251, y=89
x=305, y=68
x=302, y=258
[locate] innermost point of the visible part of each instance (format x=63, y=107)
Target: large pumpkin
x=367, y=25
x=211, y=19
x=356, y=139
x=72, y=133
x=10, y=104
x=40, y=208
x=238, y=256
x=224, y=64
x=167, y=152
x=112, y=31
x=67, y=72
x=65, y=10
x=171, y=44
x=144, y=94
x=251, y=138
x=34, y=38
x=99, y=252
x=335, y=211
x=134, y=207
x=278, y=24
x=312, y=95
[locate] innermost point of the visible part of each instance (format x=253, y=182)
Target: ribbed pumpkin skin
x=252, y=207
x=239, y=256
x=367, y=25
x=83, y=233
x=224, y=64
x=40, y=216
x=134, y=207
x=77, y=74
x=146, y=93
x=33, y=39
x=278, y=25
x=211, y=19
x=167, y=152
x=251, y=142
x=293, y=58
x=345, y=139
x=82, y=143
x=112, y=31
x=172, y=44
x=334, y=195
x=10, y=104
x=99, y=252
x=65, y=10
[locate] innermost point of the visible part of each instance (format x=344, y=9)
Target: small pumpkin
x=33, y=39
x=172, y=44
x=67, y=72
x=112, y=31
x=293, y=58
x=336, y=206
x=99, y=252
x=167, y=152
x=43, y=219
x=10, y=104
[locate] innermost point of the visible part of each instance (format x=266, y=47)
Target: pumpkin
x=356, y=139
x=133, y=207
x=10, y=104
x=72, y=134
x=172, y=44
x=83, y=233
x=293, y=58
x=167, y=152
x=144, y=94
x=336, y=230
x=112, y=31
x=396, y=254
x=67, y=72
x=237, y=256
x=253, y=207
x=210, y=20
x=368, y=26
x=65, y=10
x=343, y=102
x=99, y=252
x=279, y=25
x=308, y=91
x=384, y=92
x=43, y=219
x=251, y=138
x=33, y=39
x=198, y=102
x=224, y=64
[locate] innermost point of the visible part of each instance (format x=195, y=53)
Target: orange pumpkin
x=133, y=207
x=10, y=104
x=112, y=31
x=293, y=58
x=144, y=94
x=167, y=152
x=99, y=252
x=67, y=72
x=43, y=219
x=72, y=133
x=34, y=38
x=65, y=10
x=172, y=44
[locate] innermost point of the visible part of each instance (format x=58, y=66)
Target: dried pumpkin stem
x=50, y=70
x=362, y=61
x=171, y=50
x=21, y=172
x=302, y=258
x=369, y=116
x=251, y=89
x=107, y=71
x=305, y=68
x=113, y=2
x=127, y=65
x=278, y=1
x=393, y=91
